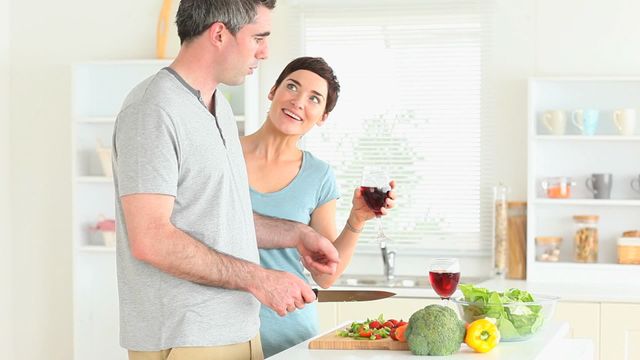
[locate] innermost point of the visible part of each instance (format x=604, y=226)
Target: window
x=412, y=99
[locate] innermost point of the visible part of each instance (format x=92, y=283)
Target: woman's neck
x=272, y=145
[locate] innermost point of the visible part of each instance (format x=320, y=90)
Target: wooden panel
x=583, y=319
x=517, y=242
x=620, y=332
x=331, y=341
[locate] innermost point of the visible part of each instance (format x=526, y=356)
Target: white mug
x=625, y=120
x=555, y=121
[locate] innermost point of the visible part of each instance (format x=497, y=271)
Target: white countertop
x=549, y=344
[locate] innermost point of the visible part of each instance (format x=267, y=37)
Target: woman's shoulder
x=315, y=163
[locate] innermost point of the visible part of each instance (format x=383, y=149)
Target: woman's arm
x=323, y=221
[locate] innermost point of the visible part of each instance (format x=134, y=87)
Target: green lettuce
x=513, y=321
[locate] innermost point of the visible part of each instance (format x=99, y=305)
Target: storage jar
x=548, y=248
x=586, y=238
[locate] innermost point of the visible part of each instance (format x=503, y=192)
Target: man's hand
x=281, y=291
x=317, y=253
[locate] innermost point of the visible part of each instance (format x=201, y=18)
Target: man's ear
x=324, y=118
x=216, y=33
x=272, y=92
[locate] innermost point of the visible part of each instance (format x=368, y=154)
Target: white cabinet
x=583, y=319
x=578, y=156
x=620, y=333
x=98, y=89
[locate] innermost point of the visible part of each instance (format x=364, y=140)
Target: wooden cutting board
x=331, y=341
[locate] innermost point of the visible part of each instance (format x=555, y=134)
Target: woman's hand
x=360, y=212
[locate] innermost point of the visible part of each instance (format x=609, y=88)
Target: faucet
x=389, y=261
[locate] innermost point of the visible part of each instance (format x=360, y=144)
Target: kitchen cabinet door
x=620, y=335
x=583, y=319
x=327, y=316
x=396, y=308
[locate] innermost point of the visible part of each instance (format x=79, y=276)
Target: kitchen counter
x=550, y=344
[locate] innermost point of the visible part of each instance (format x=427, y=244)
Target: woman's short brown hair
x=318, y=66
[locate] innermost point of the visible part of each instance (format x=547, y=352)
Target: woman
x=292, y=184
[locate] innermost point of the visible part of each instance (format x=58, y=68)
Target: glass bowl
x=516, y=321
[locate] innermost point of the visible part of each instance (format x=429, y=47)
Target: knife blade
x=350, y=295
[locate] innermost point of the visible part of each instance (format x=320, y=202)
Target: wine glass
x=375, y=188
x=444, y=274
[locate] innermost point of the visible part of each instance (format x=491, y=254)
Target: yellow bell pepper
x=482, y=335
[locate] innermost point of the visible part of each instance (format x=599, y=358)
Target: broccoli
x=435, y=330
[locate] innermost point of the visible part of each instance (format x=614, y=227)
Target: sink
x=397, y=282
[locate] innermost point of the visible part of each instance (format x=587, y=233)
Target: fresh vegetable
x=512, y=321
x=375, y=324
x=434, y=330
x=400, y=333
x=368, y=330
x=482, y=335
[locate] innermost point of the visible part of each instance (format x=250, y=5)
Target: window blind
x=414, y=95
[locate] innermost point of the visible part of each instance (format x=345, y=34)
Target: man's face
x=247, y=48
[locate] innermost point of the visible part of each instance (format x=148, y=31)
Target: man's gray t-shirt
x=167, y=142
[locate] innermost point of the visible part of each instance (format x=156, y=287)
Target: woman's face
x=298, y=103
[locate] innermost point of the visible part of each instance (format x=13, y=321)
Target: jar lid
x=586, y=217
x=546, y=240
x=631, y=233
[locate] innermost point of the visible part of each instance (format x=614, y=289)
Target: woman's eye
x=315, y=99
x=291, y=87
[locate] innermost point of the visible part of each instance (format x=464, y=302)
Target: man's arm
x=317, y=252
x=154, y=240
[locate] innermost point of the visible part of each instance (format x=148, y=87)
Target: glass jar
x=500, y=227
x=586, y=238
x=557, y=187
x=548, y=248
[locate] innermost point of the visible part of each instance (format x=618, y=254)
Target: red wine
x=444, y=283
x=374, y=197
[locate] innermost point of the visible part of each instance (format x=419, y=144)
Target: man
x=188, y=279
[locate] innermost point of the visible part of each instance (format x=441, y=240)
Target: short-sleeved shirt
x=167, y=142
x=314, y=185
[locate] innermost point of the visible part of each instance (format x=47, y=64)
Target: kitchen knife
x=350, y=295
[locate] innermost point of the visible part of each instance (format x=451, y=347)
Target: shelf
x=582, y=273
x=588, y=202
x=602, y=138
x=94, y=179
x=96, y=249
x=578, y=266
x=96, y=120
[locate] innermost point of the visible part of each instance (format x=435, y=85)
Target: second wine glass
x=444, y=275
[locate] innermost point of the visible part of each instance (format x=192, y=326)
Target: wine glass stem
x=381, y=236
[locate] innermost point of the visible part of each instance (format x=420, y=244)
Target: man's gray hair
x=196, y=16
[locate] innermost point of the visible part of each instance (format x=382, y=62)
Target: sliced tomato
x=392, y=334
x=389, y=323
x=375, y=324
x=364, y=333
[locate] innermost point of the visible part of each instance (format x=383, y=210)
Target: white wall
x=6, y=322
x=46, y=37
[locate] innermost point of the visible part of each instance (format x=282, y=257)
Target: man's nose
x=263, y=51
